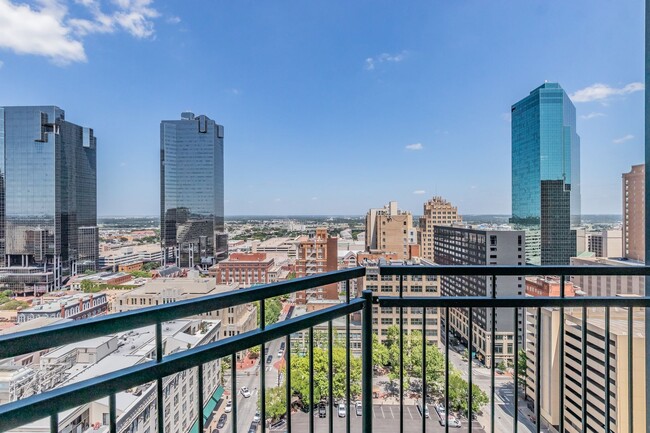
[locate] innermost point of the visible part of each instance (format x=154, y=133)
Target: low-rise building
x=550, y=286
x=608, y=285
x=245, y=269
x=130, y=258
x=68, y=306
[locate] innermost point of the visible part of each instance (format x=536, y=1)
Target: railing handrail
x=39, y=406
x=511, y=270
x=47, y=337
x=512, y=301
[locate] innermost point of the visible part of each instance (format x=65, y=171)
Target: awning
x=208, y=408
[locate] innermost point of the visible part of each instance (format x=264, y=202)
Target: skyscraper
x=387, y=230
x=634, y=213
x=48, y=198
x=191, y=191
x=546, y=174
x=436, y=211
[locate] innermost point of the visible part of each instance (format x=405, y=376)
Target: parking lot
x=385, y=419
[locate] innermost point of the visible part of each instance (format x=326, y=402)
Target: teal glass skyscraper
x=191, y=191
x=546, y=174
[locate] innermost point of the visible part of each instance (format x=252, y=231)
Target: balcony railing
x=51, y=403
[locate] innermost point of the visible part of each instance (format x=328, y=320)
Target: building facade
x=48, y=199
x=191, y=191
x=76, y=307
x=437, y=211
x=634, y=213
x=546, y=174
x=608, y=285
x=388, y=230
x=459, y=245
x=606, y=243
x=317, y=254
x=245, y=269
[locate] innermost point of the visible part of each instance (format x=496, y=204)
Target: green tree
x=140, y=274
x=272, y=310
x=276, y=403
x=379, y=352
x=522, y=367
x=254, y=352
x=459, y=395
x=300, y=377
x=88, y=286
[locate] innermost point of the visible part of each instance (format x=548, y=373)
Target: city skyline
x=421, y=97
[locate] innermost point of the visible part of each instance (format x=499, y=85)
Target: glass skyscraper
x=48, y=198
x=546, y=174
x=191, y=191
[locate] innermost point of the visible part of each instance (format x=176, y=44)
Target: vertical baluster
x=311, y=380
x=366, y=364
x=515, y=423
x=330, y=368
x=607, y=373
x=562, y=279
x=630, y=368
x=159, y=382
x=493, y=352
x=233, y=389
x=447, y=369
x=54, y=423
x=538, y=369
x=199, y=380
x=287, y=373
x=584, y=368
x=112, y=414
x=347, y=357
x=469, y=369
x=263, y=368
x=424, y=369
x=401, y=357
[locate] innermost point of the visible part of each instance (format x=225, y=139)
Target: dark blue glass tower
x=546, y=174
x=191, y=191
x=48, y=198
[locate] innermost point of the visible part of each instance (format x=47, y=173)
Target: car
x=228, y=407
x=282, y=345
x=322, y=411
x=358, y=408
x=245, y=392
x=440, y=408
x=253, y=427
x=256, y=417
x=426, y=409
x=222, y=420
x=269, y=359
x=280, y=353
x=216, y=430
x=341, y=410
x=454, y=422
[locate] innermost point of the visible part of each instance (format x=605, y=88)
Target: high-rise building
x=388, y=230
x=546, y=174
x=634, y=213
x=464, y=245
x=191, y=191
x=317, y=253
x=48, y=198
x=437, y=211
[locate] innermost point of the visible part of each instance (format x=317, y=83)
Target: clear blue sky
x=320, y=99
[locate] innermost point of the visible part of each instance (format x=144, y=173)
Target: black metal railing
x=51, y=403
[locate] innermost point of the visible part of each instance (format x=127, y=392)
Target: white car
x=228, y=407
x=341, y=410
x=245, y=392
x=280, y=353
x=257, y=417
x=454, y=422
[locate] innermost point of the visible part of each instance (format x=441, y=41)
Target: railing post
x=366, y=363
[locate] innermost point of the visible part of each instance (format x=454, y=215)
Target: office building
x=577, y=375
x=605, y=243
x=634, y=213
x=464, y=245
x=191, y=191
x=608, y=285
x=317, y=254
x=437, y=211
x=546, y=174
x=388, y=230
x=245, y=269
x=48, y=199
x=75, y=306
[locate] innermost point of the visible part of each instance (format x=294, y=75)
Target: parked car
x=256, y=417
x=440, y=408
x=424, y=412
x=228, y=407
x=322, y=411
x=358, y=408
x=269, y=359
x=253, y=427
x=341, y=410
x=280, y=353
x=222, y=420
x=245, y=392
x=454, y=422
x=282, y=345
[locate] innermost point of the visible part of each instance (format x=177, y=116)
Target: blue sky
x=332, y=107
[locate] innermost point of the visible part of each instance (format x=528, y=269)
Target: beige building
x=608, y=285
x=388, y=285
x=606, y=243
x=234, y=320
x=388, y=230
x=634, y=213
x=317, y=254
x=573, y=369
x=437, y=211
